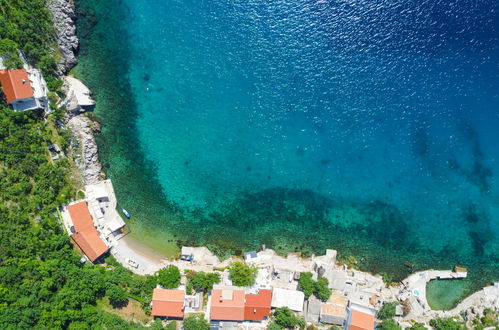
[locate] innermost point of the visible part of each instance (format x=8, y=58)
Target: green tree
x=387, y=311
x=447, y=323
x=309, y=286
x=321, y=289
x=203, y=281
x=389, y=324
x=241, y=274
x=196, y=322
x=169, y=277
x=117, y=296
x=157, y=325
x=285, y=318
x=306, y=284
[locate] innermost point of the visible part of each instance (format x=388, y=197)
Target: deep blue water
x=367, y=126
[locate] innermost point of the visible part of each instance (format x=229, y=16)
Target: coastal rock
x=63, y=12
x=85, y=147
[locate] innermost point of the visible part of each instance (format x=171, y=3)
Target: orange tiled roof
x=86, y=236
x=333, y=310
x=257, y=306
x=227, y=305
x=15, y=84
x=168, y=303
x=361, y=321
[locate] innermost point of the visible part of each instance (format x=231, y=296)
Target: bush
x=169, y=277
x=389, y=325
x=447, y=323
x=417, y=326
x=241, y=274
x=388, y=310
x=171, y=325
x=196, y=322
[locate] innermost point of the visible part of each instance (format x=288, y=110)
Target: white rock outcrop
x=63, y=12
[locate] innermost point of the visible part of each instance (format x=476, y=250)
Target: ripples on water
x=368, y=126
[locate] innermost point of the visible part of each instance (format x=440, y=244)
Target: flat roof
x=15, y=84
x=333, y=310
x=288, y=298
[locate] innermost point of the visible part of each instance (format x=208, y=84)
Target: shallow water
x=445, y=294
x=368, y=127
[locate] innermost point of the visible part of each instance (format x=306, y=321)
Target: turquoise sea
x=371, y=127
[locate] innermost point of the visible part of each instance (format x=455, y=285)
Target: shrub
x=389, y=325
x=447, y=323
x=417, y=326
x=241, y=274
x=169, y=277
x=196, y=322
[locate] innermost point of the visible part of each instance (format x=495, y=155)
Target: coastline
x=89, y=143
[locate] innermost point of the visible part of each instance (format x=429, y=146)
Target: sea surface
x=370, y=127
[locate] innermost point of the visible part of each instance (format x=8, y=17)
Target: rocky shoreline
x=63, y=12
x=84, y=145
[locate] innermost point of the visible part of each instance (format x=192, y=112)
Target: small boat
x=127, y=215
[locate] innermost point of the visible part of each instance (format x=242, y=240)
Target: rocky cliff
x=64, y=15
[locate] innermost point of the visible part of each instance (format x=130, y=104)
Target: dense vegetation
x=319, y=288
x=42, y=282
x=27, y=25
x=241, y=274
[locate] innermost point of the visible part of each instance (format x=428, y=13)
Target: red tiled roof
x=86, y=236
x=257, y=306
x=168, y=303
x=227, y=305
x=361, y=321
x=80, y=216
x=15, y=84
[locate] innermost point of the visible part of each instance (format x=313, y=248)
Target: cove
x=370, y=128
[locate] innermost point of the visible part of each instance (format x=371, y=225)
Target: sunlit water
x=366, y=126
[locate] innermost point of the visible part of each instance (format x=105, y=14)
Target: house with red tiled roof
x=227, y=305
x=359, y=318
x=24, y=89
x=85, y=234
x=168, y=303
x=257, y=306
